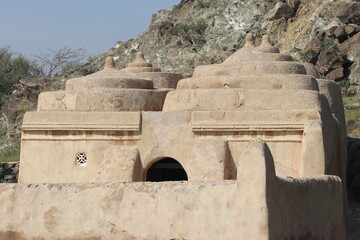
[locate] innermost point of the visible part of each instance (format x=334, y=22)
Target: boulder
x=164, y=28
x=293, y=4
x=351, y=29
x=29, y=82
x=281, y=10
x=330, y=32
x=349, y=12
x=351, y=50
x=336, y=74
x=350, y=45
x=329, y=60
x=340, y=33
x=311, y=52
x=8, y=165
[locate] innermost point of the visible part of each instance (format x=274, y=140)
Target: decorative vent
x=81, y=159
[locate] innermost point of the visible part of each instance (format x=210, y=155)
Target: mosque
x=252, y=148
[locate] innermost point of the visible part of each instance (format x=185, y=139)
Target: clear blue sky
x=30, y=26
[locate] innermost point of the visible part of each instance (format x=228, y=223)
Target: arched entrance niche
x=166, y=169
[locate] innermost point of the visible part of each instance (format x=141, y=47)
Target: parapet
x=258, y=205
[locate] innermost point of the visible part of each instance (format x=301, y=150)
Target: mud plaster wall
x=291, y=201
x=169, y=210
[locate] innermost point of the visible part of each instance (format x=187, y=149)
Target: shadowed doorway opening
x=166, y=169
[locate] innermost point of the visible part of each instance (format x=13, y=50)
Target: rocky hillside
x=197, y=32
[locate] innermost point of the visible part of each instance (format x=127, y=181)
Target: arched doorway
x=166, y=169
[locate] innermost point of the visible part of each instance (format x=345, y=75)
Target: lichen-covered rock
x=9, y=172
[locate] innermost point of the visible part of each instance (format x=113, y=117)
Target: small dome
x=142, y=69
x=140, y=65
x=139, y=61
x=266, y=46
x=107, y=90
x=109, y=77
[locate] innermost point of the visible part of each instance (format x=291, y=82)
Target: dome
x=107, y=90
x=238, y=82
x=142, y=69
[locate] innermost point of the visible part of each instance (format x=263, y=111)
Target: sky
x=30, y=27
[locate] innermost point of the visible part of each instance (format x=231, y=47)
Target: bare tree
x=55, y=61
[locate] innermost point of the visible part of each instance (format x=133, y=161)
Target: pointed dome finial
x=139, y=61
x=139, y=57
x=266, y=39
x=109, y=62
x=249, y=40
x=266, y=46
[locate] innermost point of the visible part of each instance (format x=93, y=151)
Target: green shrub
x=209, y=14
x=325, y=43
x=11, y=154
x=24, y=105
x=202, y=4
x=345, y=83
x=199, y=26
x=180, y=27
x=3, y=129
x=13, y=67
x=352, y=114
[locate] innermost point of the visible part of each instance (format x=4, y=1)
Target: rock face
x=214, y=29
x=194, y=33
